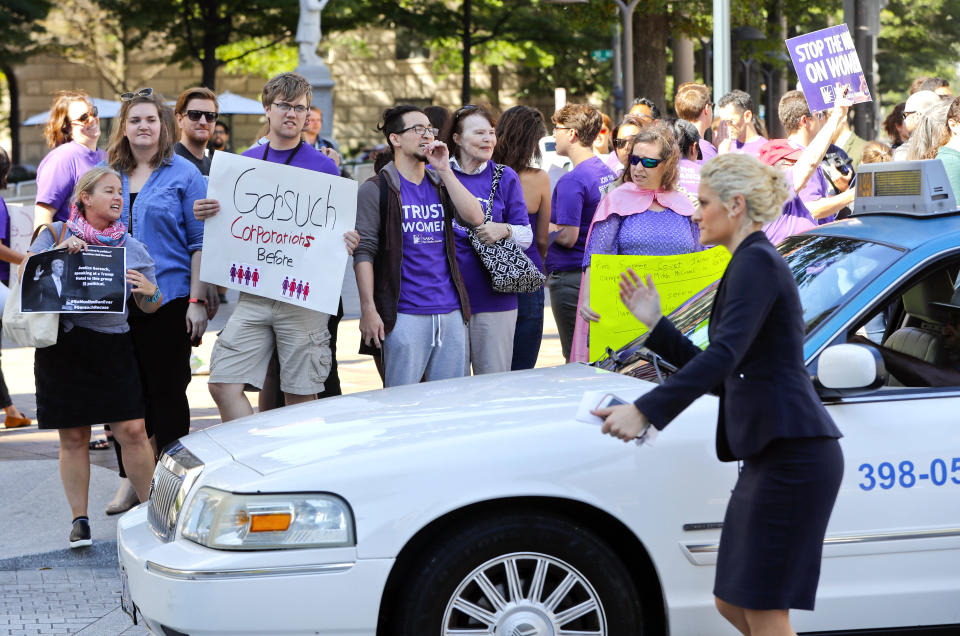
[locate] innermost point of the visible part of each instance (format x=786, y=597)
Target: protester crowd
x=457, y=236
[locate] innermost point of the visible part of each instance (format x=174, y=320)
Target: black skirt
x=87, y=378
x=772, y=539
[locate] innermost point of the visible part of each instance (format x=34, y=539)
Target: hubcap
x=524, y=594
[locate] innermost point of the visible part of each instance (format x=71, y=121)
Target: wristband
x=200, y=301
x=155, y=297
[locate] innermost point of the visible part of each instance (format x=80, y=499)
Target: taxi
x=484, y=505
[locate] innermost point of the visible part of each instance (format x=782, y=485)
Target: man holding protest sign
x=259, y=324
x=413, y=302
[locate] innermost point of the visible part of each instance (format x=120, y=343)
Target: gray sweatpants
x=490, y=341
x=431, y=346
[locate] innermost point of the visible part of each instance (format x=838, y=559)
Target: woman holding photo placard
x=90, y=375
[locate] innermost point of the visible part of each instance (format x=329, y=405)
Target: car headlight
x=228, y=521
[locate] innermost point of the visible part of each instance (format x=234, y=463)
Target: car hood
x=432, y=413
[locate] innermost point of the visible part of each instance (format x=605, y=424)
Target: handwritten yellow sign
x=677, y=279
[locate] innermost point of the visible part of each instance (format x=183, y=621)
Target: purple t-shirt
x=708, y=150
x=508, y=207
x=59, y=172
x=306, y=157
x=426, y=283
x=5, y=238
x=815, y=189
x=750, y=147
x=574, y=202
x=794, y=219
x=688, y=176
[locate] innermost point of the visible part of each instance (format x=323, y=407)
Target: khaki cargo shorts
x=257, y=326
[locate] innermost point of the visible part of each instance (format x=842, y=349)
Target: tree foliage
x=214, y=33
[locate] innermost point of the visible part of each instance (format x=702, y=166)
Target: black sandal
x=99, y=444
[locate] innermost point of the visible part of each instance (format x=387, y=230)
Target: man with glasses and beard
x=413, y=303
x=196, y=112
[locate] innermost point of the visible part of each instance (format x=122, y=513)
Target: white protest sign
x=279, y=232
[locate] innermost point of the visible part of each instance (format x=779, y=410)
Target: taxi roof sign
x=912, y=188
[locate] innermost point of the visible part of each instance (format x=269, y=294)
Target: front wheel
x=519, y=575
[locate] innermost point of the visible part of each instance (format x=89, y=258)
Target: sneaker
x=80, y=535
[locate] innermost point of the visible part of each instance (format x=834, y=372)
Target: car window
x=829, y=270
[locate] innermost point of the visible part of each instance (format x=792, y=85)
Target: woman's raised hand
x=641, y=300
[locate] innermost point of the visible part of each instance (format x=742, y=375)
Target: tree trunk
x=495, y=87
x=14, y=121
x=209, y=64
x=650, y=34
x=467, y=45
x=776, y=27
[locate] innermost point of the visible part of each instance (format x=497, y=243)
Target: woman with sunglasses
x=493, y=315
x=645, y=215
x=72, y=132
x=518, y=133
x=159, y=189
x=629, y=126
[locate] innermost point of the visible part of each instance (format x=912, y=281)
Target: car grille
x=173, y=477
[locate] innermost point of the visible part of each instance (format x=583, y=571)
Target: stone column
x=319, y=77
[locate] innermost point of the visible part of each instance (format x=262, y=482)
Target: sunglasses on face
x=195, y=115
x=646, y=162
x=143, y=92
x=93, y=113
x=621, y=142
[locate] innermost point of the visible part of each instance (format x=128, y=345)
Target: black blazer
x=50, y=300
x=754, y=359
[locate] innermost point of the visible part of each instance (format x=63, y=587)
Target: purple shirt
x=794, y=219
x=650, y=233
x=508, y=207
x=306, y=157
x=688, y=177
x=59, y=172
x=574, y=202
x=815, y=189
x=708, y=150
x=750, y=147
x=5, y=238
x=426, y=283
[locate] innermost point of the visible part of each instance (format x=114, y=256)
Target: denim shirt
x=163, y=221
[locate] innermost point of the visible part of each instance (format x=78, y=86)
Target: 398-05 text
x=886, y=475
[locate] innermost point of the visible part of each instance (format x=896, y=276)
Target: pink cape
x=623, y=201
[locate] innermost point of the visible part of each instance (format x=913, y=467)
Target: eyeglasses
x=284, y=107
x=143, y=92
x=646, y=162
x=195, y=115
x=555, y=128
x=93, y=113
x=421, y=130
x=621, y=142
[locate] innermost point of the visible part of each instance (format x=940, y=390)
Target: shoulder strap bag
x=31, y=329
x=511, y=271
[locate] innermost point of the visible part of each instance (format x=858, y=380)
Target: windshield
x=828, y=269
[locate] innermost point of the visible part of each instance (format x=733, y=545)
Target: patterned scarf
x=113, y=235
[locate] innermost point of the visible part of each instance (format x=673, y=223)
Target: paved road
x=46, y=588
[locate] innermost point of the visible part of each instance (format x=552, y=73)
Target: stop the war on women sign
x=279, y=232
x=826, y=62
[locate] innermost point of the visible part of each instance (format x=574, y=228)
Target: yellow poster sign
x=677, y=279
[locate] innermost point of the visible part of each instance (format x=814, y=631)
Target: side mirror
x=846, y=369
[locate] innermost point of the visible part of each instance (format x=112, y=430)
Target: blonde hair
x=876, y=152
x=88, y=181
x=764, y=188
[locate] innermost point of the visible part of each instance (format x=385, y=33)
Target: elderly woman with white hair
x=770, y=417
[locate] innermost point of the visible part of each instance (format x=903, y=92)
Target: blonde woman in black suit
x=770, y=417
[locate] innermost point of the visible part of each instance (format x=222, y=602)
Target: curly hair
x=57, y=130
x=660, y=134
x=584, y=119
x=518, y=137
x=764, y=188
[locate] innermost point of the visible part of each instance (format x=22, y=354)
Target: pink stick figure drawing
x=240, y=275
x=306, y=290
x=293, y=287
x=256, y=277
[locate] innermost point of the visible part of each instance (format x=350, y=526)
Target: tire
x=462, y=583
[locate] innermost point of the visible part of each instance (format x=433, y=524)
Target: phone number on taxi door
x=887, y=474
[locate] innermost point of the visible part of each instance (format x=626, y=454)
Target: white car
x=482, y=506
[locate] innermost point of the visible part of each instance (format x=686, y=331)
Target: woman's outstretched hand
x=641, y=300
